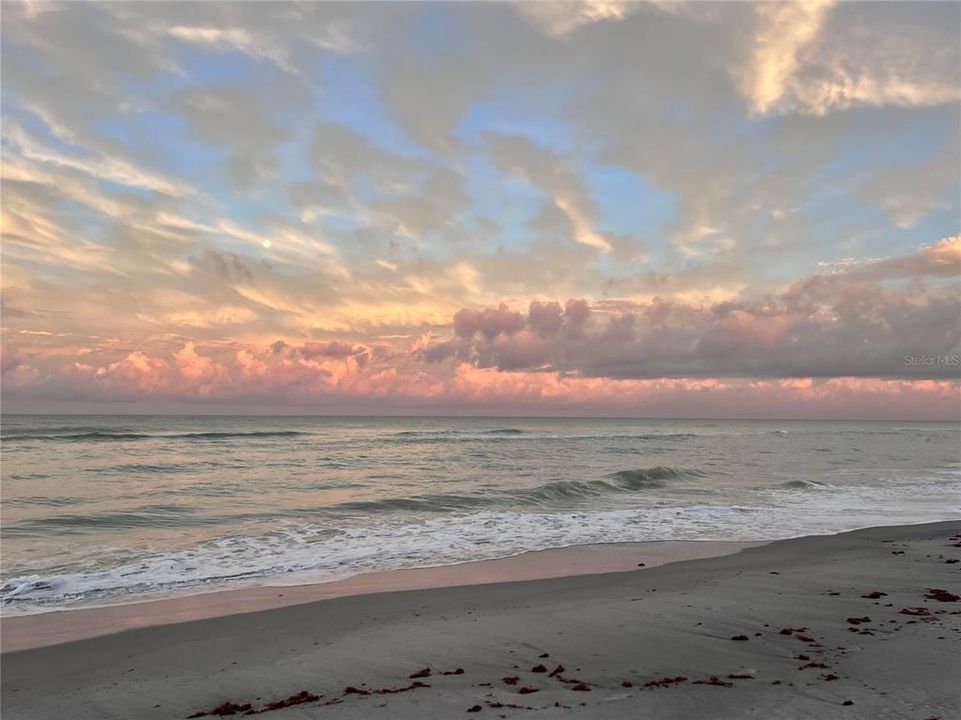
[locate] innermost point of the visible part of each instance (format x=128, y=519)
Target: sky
x=642, y=209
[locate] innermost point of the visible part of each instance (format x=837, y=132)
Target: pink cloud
x=273, y=380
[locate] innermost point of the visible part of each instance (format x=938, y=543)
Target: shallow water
x=98, y=507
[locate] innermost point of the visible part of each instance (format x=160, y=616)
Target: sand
x=20, y=632
x=788, y=620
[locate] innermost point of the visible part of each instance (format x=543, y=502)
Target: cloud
x=224, y=39
x=784, y=31
x=351, y=176
x=519, y=156
x=272, y=380
x=844, y=325
x=230, y=116
x=812, y=57
x=560, y=18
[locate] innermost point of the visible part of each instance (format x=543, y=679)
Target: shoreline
x=43, y=628
x=853, y=625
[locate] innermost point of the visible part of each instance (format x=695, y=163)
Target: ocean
x=107, y=508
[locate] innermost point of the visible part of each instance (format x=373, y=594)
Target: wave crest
x=622, y=481
x=111, y=435
x=804, y=485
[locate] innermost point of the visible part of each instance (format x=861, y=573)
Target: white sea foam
x=319, y=554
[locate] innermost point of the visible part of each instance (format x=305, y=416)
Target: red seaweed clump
x=858, y=620
x=714, y=680
x=914, y=611
x=665, y=682
x=421, y=673
x=538, y=669
x=299, y=699
x=392, y=691
x=874, y=595
x=512, y=706
x=941, y=595
x=224, y=710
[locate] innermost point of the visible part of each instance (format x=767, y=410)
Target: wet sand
x=20, y=632
x=857, y=625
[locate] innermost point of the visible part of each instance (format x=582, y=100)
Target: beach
x=861, y=624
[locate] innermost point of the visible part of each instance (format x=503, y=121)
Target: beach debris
x=581, y=687
x=474, y=708
x=351, y=690
x=512, y=706
x=897, y=552
x=393, y=691
x=941, y=595
x=874, y=595
x=626, y=684
x=952, y=561
x=713, y=680
x=848, y=702
x=814, y=665
x=527, y=690
x=456, y=671
x=544, y=655
x=914, y=611
x=513, y=680
x=299, y=699
x=743, y=675
x=804, y=638
x=642, y=565
x=665, y=682
x=859, y=620
x=231, y=708
x=224, y=710
x=421, y=673
x=538, y=669
x=556, y=671
x=740, y=638
x=802, y=657
x=829, y=677
x=790, y=630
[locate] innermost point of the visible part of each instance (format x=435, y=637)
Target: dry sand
x=813, y=646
